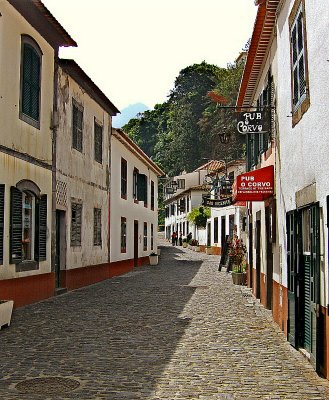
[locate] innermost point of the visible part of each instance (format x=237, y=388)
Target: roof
x=212, y=165
x=197, y=188
x=35, y=12
x=132, y=146
x=258, y=50
x=76, y=72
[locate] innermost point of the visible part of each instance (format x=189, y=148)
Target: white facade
x=26, y=156
x=133, y=223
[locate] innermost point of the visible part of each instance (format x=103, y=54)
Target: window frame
x=123, y=235
x=76, y=225
x=299, y=107
x=97, y=226
x=152, y=195
x=78, y=146
x=124, y=178
x=145, y=237
x=27, y=40
x=98, y=142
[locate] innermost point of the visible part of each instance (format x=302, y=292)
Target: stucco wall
x=304, y=148
x=130, y=209
x=18, y=134
x=84, y=179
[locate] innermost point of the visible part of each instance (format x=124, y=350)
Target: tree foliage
x=198, y=216
x=180, y=133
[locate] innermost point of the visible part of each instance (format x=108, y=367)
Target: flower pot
x=154, y=260
x=208, y=250
x=6, y=309
x=197, y=248
x=184, y=245
x=158, y=251
x=239, y=278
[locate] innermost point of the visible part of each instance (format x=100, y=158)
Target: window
x=145, y=237
x=300, y=96
x=2, y=208
x=28, y=225
x=152, y=195
x=97, y=227
x=98, y=142
x=181, y=183
x=216, y=230
x=152, y=236
x=123, y=178
x=76, y=218
x=135, y=182
x=77, y=120
x=30, y=81
x=123, y=235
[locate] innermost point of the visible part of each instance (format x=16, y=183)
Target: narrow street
x=179, y=330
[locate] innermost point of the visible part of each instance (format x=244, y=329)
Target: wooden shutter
x=142, y=187
x=16, y=225
x=2, y=207
x=31, y=82
x=41, y=230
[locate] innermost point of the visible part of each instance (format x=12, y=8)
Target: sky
x=134, y=49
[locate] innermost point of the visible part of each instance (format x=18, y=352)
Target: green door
x=315, y=283
x=292, y=277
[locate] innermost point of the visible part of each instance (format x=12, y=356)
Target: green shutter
x=31, y=82
x=2, y=207
x=142, y=187
x=16, y=225
x=41, y=230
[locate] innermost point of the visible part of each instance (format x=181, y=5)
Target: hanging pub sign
x=208, y=202
x=253, y=121
x=257, y=185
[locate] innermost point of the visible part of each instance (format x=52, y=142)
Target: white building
x=82, y=179
x=29, y=42
x=222, y=220
x=134, y=204
x=288, y=68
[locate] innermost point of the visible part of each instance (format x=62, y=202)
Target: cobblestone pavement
x=179, y=330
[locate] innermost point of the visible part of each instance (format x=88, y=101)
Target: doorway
x=258, y=257
x=209, y=234
x=269, y=257
x=303, y=230
x=135, y=243
x=60, y=258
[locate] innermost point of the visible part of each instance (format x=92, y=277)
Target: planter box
x=154, y=260
x=239, y=278
x=6, y=309
x=208, y=250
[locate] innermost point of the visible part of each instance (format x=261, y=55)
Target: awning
x=257, y=185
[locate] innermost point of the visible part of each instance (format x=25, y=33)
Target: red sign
x=256, y=185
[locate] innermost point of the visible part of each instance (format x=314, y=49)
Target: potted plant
x=154, y=258
x=184, y=242
x=208, y=250
x=195, y=245
x=6, y=309
x=237, y=254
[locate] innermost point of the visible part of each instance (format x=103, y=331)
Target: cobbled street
x=178, y=330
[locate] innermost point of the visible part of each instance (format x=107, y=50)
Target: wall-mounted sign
x=208, y=202
x=256, y=185
x=170, y=190
x=253, y=122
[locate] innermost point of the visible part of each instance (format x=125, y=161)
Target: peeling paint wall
x=79, y=177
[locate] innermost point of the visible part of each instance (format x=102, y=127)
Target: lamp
x=174, y=185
